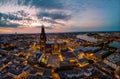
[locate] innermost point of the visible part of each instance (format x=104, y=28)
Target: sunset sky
x=27, y=16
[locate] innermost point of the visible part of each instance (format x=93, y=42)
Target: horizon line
x=64, y=32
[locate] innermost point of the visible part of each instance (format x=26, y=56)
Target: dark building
x=42, y=40
x=50, y=46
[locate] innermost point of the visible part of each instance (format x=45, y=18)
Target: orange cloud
x=4, y=30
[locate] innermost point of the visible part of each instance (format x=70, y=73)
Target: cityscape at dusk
x=59, y=39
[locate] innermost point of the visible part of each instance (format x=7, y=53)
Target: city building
x=43, y=40
x=56, y=49
x=52, y=47
x=113, y=60
x=102, y=54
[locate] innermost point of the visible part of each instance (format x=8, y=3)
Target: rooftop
x=85, y=49
x=114, y=58
x=88, y=38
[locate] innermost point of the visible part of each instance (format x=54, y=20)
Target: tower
x=42, y=40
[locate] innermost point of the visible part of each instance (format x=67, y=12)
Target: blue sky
x=27, y=16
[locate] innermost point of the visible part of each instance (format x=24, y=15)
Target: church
x=53, y=47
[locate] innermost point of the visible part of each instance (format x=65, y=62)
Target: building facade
x=43, y=40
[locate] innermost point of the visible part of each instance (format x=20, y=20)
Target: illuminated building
x=56, y=49
x=42, y=40
x=52, y=47
x=63, y=46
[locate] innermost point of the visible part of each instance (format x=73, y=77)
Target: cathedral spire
x=43, y=35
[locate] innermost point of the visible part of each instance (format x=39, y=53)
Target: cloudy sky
x=27, y=16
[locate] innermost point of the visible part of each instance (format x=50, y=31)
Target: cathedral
x=46, y=46
x=43, y=40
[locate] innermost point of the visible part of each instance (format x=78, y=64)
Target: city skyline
x=27, y=16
